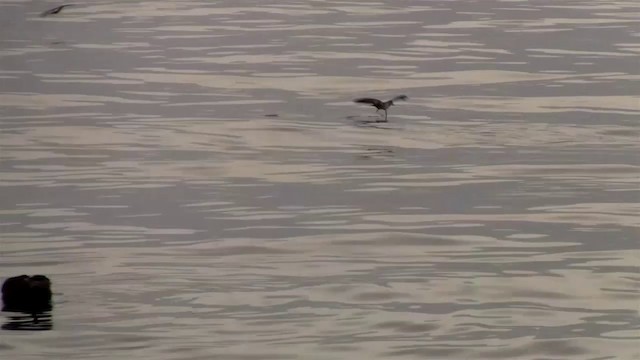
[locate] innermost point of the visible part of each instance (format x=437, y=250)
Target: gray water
x=194, y=178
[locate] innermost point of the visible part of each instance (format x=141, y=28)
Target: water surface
x=194, y=178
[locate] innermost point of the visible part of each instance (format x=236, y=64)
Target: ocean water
x=196, y=181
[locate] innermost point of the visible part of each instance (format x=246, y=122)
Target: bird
x=55, y=10
x=381, y=105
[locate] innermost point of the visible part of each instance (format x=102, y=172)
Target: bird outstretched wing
x=400, y=97
x=372, y=101
x=55, y=10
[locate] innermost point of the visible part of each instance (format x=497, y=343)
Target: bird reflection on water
x=373, y=152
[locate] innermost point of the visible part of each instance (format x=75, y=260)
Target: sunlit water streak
x=197, y=183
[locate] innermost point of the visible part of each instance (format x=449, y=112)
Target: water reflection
x=37, y=321
x=376, y=152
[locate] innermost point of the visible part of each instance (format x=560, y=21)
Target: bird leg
x=385, y=116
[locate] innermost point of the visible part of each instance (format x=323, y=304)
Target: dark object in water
x=55, y=10
x=381, y=105
x=26, y=293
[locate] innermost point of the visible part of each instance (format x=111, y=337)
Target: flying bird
x=381, y=105
x=55, y=10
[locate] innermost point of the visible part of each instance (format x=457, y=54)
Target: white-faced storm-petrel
x=381, y=105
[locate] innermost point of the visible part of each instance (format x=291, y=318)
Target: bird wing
x=55, y=10
x=372, y=101
x=46, y=13
x=400, y=97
